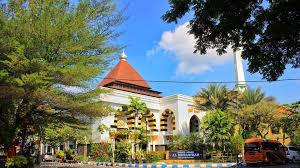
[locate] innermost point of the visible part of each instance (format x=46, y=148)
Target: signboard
x=186, y=155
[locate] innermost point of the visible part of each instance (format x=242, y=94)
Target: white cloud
x=180, y=43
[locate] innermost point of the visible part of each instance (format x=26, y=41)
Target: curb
x=207, y=165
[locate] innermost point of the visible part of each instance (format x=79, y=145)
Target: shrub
x=155, y=156
x=60, y=154
x=100, y=151
x=17, y=162
x=82, y=158
x=70, y=154
x=140, y=155
x=192, y=141
x=236, y=144
x=102, y=159
x=122, y=151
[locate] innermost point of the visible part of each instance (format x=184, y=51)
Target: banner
x=186, y=155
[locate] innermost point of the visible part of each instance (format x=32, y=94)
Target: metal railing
x=225, y=157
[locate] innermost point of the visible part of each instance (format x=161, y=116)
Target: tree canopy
x=218, y=128
x=259, y=117
x=290, y=122
x=253, y=96
x=193, y=141
x=215, y=97
x=46, y=47
x=268, y=31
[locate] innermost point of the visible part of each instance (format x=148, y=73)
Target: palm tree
x=248, y=99
x=254, y=96
x=137, y=108
x=214, y=97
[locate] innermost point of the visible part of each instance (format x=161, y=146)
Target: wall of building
x=117, y=99
x=182, y=106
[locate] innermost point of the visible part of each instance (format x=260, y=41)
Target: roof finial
x=123, y=56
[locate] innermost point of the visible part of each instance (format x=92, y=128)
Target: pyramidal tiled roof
x=124, y=72
x=124, y=77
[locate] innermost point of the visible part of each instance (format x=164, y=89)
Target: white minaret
x=239, y=71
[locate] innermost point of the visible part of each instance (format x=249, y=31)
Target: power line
x=204, y=82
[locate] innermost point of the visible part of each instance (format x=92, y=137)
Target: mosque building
x=168, y=115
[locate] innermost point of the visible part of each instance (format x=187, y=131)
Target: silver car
x=292, y=153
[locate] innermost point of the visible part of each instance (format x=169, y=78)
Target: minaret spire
x=239, y=71
x=123, y=56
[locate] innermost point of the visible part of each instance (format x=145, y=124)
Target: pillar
x=239, y=70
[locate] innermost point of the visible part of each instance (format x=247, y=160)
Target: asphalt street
x=296, y=165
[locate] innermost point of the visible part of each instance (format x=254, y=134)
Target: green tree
x=194, y=141
x=293, y=106
x=296, y=137
x=218, y=128
x=290, y=122
x=268, y=31
x=56, y=135
x=215, y=97
x=139, y=110
x=259, y=117
x=253, y=96
x=46, y=47
x=236, y=144
x=247, y=98
x=123, y=151
x=137, y=107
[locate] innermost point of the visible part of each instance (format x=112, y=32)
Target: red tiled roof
x=124, y=72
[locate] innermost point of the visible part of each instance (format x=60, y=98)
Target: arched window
x=151, y=121
x=167, y=121
x=194, y=124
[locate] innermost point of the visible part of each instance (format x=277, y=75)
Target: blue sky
x=162, y=51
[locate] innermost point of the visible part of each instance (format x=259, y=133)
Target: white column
x=148, y=147
x=239, y=70
x=46, y=149
x=132, y=147
x=41, y=148
x=153, y=145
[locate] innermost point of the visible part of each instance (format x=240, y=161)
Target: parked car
x=48, y=158
x=292, y=153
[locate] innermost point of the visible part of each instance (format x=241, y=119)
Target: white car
x=292, y=153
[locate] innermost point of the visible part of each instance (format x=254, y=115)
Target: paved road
x=296, y=165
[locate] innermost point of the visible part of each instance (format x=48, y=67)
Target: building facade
x=167, y=116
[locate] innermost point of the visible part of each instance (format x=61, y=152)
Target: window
x=292, y=148
x=269, y=146
x=194, y=124
x=252, y=146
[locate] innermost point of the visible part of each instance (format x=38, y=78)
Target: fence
x=225, y=157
